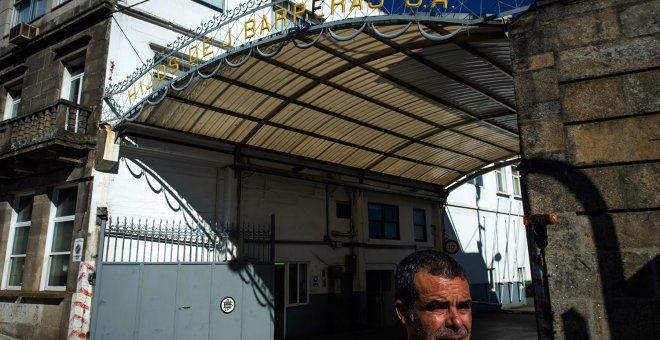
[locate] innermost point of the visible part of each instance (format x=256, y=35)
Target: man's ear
x=401, y=312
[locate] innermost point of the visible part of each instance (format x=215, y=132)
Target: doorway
x=380, y=297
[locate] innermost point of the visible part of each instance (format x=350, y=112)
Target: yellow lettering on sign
x=161, y=73
x=265, y=25
x=249, y=29
x=316, y=8
x=173, y=62
x=298, y=9
x=228, y=44
x=150, y=85
x=132, y=95
x=443, y=2
x=356, y=3
x=336, y=3
x=141, y=88
x=206, y=47
x=193, y=58
x=411, y=5
x=280, y=15
x=380, y=4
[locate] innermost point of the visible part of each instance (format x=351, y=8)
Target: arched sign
x=261, y=27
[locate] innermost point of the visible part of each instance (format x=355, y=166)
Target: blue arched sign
x=261, y=27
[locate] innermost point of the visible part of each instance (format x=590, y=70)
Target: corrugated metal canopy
x=408, y=107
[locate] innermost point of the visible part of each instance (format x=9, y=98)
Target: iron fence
x=160, y=241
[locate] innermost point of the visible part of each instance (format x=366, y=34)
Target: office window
x=383, y=221
x=59, y=239
x=13, y=104
x=515, y=174
x=18, y=240
x=501, y=180
x=343, y=210
x=298, y=284
x=28, y=10
x=218, y=5
x=419, y=222
x=72, y=83
x=478, y=181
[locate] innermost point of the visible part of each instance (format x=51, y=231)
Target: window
x=383, y=221
x=343, y=210
x=217, y=5
x=72, y=83
x=491, y=279
x=516, y=180
x=28, y=10
x=419, y=222
x=501, y=181
x=13, y=104
x=59, y=237
x=18, y=240
x=298, y=284
x=478, y=181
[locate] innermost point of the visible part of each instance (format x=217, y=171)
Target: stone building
x=52, y=71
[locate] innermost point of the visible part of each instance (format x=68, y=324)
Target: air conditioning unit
x=22, y=33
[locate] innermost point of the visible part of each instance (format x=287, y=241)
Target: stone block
x=555, y=188
x=623, y=231
x=572, y=275
x=530, y=42
x=593, y=99
x=586, y=29
x=534, y=62
x=541, y=110
x=620, y=140
x=627, y=274
x=574, y=318
x=542, y=136
x=624, y=55
x=627, y=319
x=640, y=19
x=642, y=92
x=535, y=87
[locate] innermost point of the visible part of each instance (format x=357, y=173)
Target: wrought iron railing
x=64, y=119
x=158, y=241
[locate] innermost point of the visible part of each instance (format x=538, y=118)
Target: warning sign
x=451, y=247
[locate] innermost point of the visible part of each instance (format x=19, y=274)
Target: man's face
x=443, y=309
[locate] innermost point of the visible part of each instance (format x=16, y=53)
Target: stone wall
x=587, y=82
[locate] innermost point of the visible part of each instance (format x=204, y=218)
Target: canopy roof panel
x=427, y=111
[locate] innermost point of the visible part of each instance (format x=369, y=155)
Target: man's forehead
x=441, y=287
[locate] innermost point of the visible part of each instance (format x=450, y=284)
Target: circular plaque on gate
x=227, y=305
x=451, y=247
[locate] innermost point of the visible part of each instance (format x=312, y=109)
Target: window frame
x=287, y=279
x=423, y=226
x=32, y=9
x=12, y=101
x=477, y=181
x=500, y=174
x=383, y=221
x=70, y=75
x=14, y=225
x=515, y=181
x=48, y=253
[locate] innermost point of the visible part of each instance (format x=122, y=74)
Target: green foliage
x=529, y=289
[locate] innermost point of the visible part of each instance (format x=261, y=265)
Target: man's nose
x=454, y=320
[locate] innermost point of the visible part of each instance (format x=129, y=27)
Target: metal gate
x=159, y=280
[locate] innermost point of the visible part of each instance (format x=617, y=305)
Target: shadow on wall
x=184, y=190
x=483, y=296
x=631, y=305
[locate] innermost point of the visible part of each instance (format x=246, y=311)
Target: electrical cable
x=129, y=40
